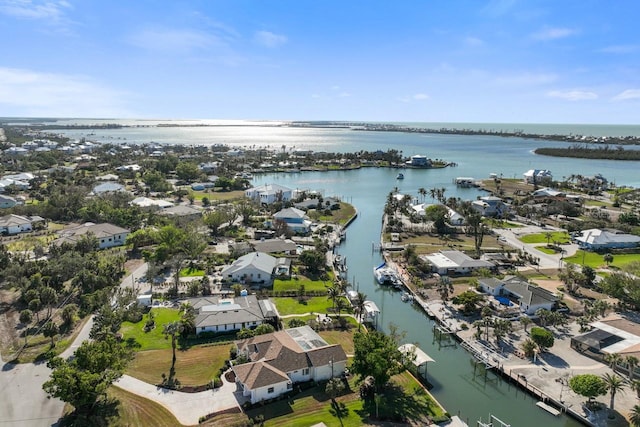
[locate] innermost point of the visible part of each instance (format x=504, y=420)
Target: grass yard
x=344, y=338
x=191, y=272
x=498, y=223
x=152, y=340
x=405, y=397
x=134, y=410
x=195, y=366
x=594, y=260
x=558, y=236
x=288, y=305
x=309, y=285
x=339, y=216
x=546, y=250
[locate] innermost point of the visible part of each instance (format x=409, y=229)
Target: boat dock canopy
x=421, y=356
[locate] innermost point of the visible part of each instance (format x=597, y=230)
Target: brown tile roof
x=322, y=356
x=259, y=374
x=623, y=324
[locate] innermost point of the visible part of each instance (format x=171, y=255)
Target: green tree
x=469, y=300
x=26, y=316
x=313, y=260
x=295, y=323
x=188, y=171
x=614, y=385
x=613, y=359
x=333, y=293
x=50, y=330
x=542, y=337
x=634, y=416
x=188, y=318
x=376, y=355
x=69, y=314
x=525, y=321
x=172, y=330
x=83, y=380
x=334, y=387
x=529, y=347
x=265, y=328
x=632, y=363
x=607, y=258
x=588, y=385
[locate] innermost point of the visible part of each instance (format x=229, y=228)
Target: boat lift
x=490, y=423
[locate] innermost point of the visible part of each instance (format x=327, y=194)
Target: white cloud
x=269, y=39
x=31, y=93
x=173, y=40
x=526, y=79
x=30, y=9
x=553, y=33
x=573, y=95
x=627, y=94
x=420, y=96
x=621, y=49
x=411, y=98
x=473, y=42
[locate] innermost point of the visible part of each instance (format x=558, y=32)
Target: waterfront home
x=317, y=203
x=490, y=206
x=107, y=235
x=453, y=217
x=596, y=239
x=613, y=334
x=7, y=202
x=448, y=263
x=549, y=194
x=537, y=176
x=296, y=220
x=252, y=268
x=280, y=359
x=419, y=161
x=222, y=315
x=181, y=211
x=594, y=183
x=271, y=246
x=528, y=296
x=270, y=193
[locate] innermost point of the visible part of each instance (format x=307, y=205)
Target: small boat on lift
x=400, y=176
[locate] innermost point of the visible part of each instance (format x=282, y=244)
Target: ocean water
x=476, y=155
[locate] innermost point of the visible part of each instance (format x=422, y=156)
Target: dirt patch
x=131, y=264
x=9, y=335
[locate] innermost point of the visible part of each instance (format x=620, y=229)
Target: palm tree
x=359, y=307
x=614, y=384
x=631, y=362
x=423, y=193
x=525, y=321
x=613, y=359
x=173, y=330
x=634, y=416
x=341, y=304
x=548, y=236
x=333, y=293
x=529, y=347
x=188, y=318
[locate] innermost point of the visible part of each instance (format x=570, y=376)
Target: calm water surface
x=477, y=156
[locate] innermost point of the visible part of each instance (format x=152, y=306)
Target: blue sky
x=545, y=61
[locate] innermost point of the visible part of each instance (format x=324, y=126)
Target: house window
x=289, y=386
x=258, y=275
x=305, y=371
x=270, y=390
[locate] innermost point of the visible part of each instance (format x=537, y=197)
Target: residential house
x=209, y=167
x=270, y=193
x=108, y=235
x=7, y=202
x=596, y=239
x=317, y=203
x=254, y=268
x=296, y=220
x=222, y=315
x=145, y=202
x=448, y=263
x=183, y=211
x=419, y=161
x=528, y=296
x=271, y=246
x=537, y=176
x=549, y=194
x=108, y=187
x=453, y=217
x=490, y=206
x=14, y=224
x=615, y=334
x=281, y=359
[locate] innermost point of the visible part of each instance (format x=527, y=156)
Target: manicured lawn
x=404, y=397
x=496, y=223
x=546, y=250
x=288, y=305
x=558, y=236
x=339, y=216
x=309, y=285
x=595, y=260
x=152, y=340
x=191, y=272
x=344, y=338
x=195, y=366
x=134, y=410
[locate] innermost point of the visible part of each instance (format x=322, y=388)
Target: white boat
x=387, y=276
x=400, y=176
x=406, y=297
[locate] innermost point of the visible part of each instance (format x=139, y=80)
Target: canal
x=455, y=385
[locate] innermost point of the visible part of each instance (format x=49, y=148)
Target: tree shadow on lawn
x=398, y=405
x=102, y=414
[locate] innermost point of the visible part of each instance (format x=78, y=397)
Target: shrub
x=542, y=337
